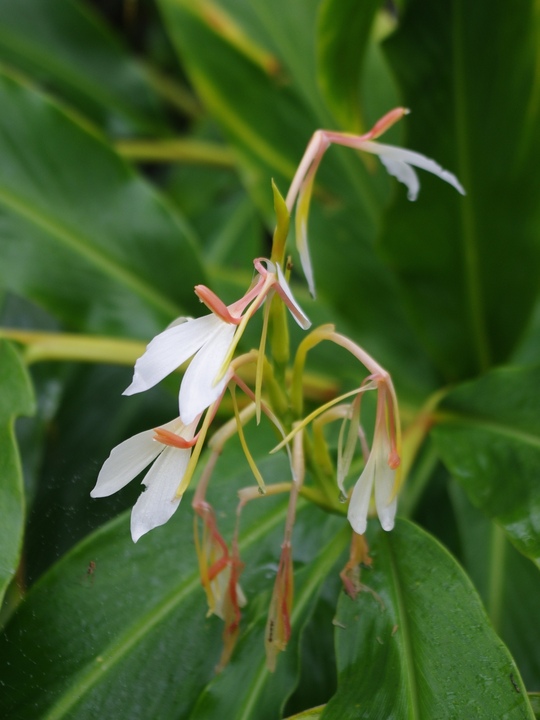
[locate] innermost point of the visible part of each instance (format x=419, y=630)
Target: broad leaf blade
x=343, y=33
x=417, y=642
x=490, y=441
x=508, y=583
x=66, y=47
x=82, y=234
x=469, y=267
x=126, y=628
x=16, y=399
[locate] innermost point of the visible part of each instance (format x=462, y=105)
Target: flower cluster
x=210, y=344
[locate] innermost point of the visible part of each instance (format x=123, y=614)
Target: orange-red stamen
x=166, y=437
x=215, y=304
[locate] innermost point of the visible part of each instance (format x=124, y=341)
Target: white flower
x=379, y=473
x=211, y=339
x=169, y=449
x=382, y=467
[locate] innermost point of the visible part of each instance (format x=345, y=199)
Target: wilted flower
x=169, y=448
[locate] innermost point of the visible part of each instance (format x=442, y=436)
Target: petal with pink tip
x=168, y=350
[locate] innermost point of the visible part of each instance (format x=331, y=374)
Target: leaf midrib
x=406, y=635
x=94, y=673
x=455, y=418
x=474, y=298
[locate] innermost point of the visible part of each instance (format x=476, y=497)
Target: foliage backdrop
x=137, y=146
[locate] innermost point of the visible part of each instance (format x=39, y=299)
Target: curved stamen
x=166, y=437
x=215, y=304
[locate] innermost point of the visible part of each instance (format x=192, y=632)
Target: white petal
x=361, y=495
x=296, y=311
x=169, y=350
x=158, y=502
x=125, y=462
x=305, y=258
x=198, y=390
x=404, y=173
x=385, y=499
x=401, y=155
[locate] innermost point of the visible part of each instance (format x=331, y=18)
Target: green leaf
x=469, y=267
x=69, y=49
x=81, y=233
x=312, y=714
x=416, y=643
x=508, y=583
x=489, y=439
x=343, y=33
x=126, y=629
x=16, y=399
x=535, y=703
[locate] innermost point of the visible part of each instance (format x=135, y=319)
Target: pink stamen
x=386, y=122
x=240, y=305
x=215, y=304
x=166, y=437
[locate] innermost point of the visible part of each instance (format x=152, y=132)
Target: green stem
x=175, y=94
x=496, y=575
x=479, y=332
x=42, y=346
x=177, y=150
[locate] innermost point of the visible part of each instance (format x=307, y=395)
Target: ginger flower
x=169, y=448
x=398, y=162
x=381, y=470
x=210, y=340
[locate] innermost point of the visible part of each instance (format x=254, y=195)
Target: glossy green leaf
x=16, y=399
x=489, y=439
x=343, y=33
x=118, y=629
x=416, y=643
x=81, y=233
x=508, y=583
x=312, y=714
x=469, y=267
x=65, y=46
